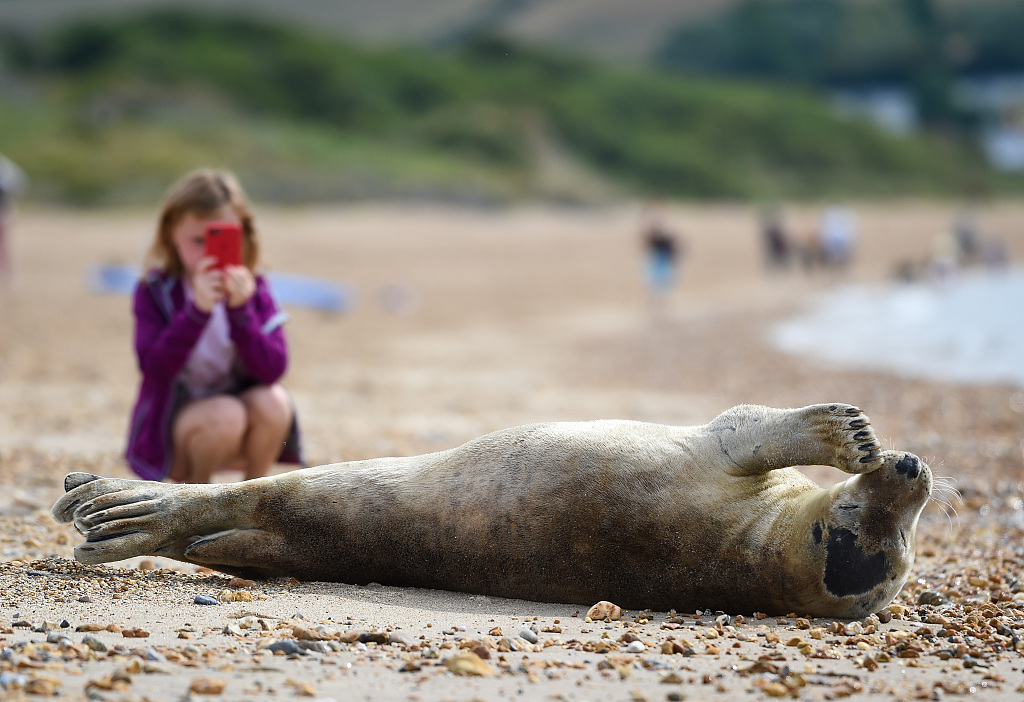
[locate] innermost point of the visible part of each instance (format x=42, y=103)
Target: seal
x=645, y=515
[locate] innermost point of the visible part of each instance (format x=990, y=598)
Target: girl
x=211, y=348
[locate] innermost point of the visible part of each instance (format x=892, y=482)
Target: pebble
x=470, y=664
x=9, y=680
x=636, y=647
x=285, y=646
x=204, y=600
x=377, y=637
x=604, y=611
x=397, y=638
x=314, y=647
x=94, y=643
x=529, y=634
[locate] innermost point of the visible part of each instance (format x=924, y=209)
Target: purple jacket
x=166, y=330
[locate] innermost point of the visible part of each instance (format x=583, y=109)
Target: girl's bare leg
x=269, y=418
x=208, y=436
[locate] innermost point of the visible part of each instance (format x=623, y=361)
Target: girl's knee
x=217, y=418
x=268, y=404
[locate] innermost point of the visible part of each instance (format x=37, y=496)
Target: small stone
x=305, y=689
x=304, y=633
x=95, y=644
x=228, y=595
x=636, y=647
x=377, y=637
x=204, y=600
x=314, y=646
x=207, y=686
x=469, y=664
x=604, y=611
x=44, y=687
x=399, y=639
x=529, y=635
x=930, y=597
x=285, y=646
x=85, y=598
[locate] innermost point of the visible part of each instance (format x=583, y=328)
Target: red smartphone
x=224, y=243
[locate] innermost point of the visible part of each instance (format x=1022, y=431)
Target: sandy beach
x=502, y=318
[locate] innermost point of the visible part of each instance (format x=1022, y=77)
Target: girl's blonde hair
x=201, y=193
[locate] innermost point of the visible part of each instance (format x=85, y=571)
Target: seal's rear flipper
x=120, y=518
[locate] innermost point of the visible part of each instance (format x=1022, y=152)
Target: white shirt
x=208, y=369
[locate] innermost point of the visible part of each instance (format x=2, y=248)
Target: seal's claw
x=73, y=480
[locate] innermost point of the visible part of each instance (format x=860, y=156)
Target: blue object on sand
x=288, y=289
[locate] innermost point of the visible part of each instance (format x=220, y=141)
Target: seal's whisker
x=951, y=491
x=942, y=504
x=946, y=514
x=942, y=484
x=946, y=496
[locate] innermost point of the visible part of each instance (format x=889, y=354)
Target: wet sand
x=512, y=317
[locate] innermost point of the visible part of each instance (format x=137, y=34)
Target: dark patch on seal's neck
x=848, y=571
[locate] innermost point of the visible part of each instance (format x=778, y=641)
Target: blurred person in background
x=778, y=248
x=664, y=249
x=965, y=234
x=838, y=236
x=12, y=183
x=211, y=347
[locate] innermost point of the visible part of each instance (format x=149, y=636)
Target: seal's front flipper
x=758, y=439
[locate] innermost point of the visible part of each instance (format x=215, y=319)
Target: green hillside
x=110, y=112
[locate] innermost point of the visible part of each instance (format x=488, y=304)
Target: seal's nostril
x=909, y=466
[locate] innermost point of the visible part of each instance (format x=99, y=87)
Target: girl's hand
x=207, y=284
x=240, y=285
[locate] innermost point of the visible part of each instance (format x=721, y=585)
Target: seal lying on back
x=644, y=515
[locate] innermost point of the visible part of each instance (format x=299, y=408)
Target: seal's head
x=867, y=532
